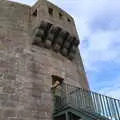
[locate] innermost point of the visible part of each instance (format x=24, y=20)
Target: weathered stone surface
x=26, y=66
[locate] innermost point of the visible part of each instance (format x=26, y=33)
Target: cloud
x=112, y=88
x=28, y=2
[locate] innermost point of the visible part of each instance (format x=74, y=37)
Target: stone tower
x=38, y=45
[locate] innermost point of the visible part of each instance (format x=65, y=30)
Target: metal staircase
x=73, y=103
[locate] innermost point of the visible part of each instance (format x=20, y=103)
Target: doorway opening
x=56, y=81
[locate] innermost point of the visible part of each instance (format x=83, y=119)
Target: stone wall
x=26, y=69
x=54, y=19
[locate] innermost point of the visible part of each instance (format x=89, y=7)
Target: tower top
x=59, y=27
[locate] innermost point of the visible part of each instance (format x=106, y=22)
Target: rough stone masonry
x=36, y=43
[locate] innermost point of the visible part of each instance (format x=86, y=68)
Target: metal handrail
x=89, y=101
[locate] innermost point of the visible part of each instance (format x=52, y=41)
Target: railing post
x=66, y=116
x=102, y=105
x=117, y=110
x=108, y=107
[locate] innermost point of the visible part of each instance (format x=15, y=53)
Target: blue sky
x=98, y=25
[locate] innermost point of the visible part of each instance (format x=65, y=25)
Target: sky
x=98, y=25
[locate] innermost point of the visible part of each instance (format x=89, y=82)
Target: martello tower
x=38, y=45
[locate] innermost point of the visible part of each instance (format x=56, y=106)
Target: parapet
x=54, y=28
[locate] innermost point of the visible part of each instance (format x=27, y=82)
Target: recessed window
x=35, y=13
x=56, y=81
x=68, y=20
x=50, y=11
x=60, y=15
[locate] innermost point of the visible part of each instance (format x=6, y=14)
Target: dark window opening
x=56, y=80
x=68, y=20
x=35, y=13
x=61, y=117
x=50, y=11
x=60, y=15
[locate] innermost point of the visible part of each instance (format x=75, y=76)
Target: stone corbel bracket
x=56, y=38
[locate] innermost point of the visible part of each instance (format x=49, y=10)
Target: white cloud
x=112, y=89
x=114, y=92
x=28, y=2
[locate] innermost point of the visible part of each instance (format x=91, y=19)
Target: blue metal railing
x=91, y=102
